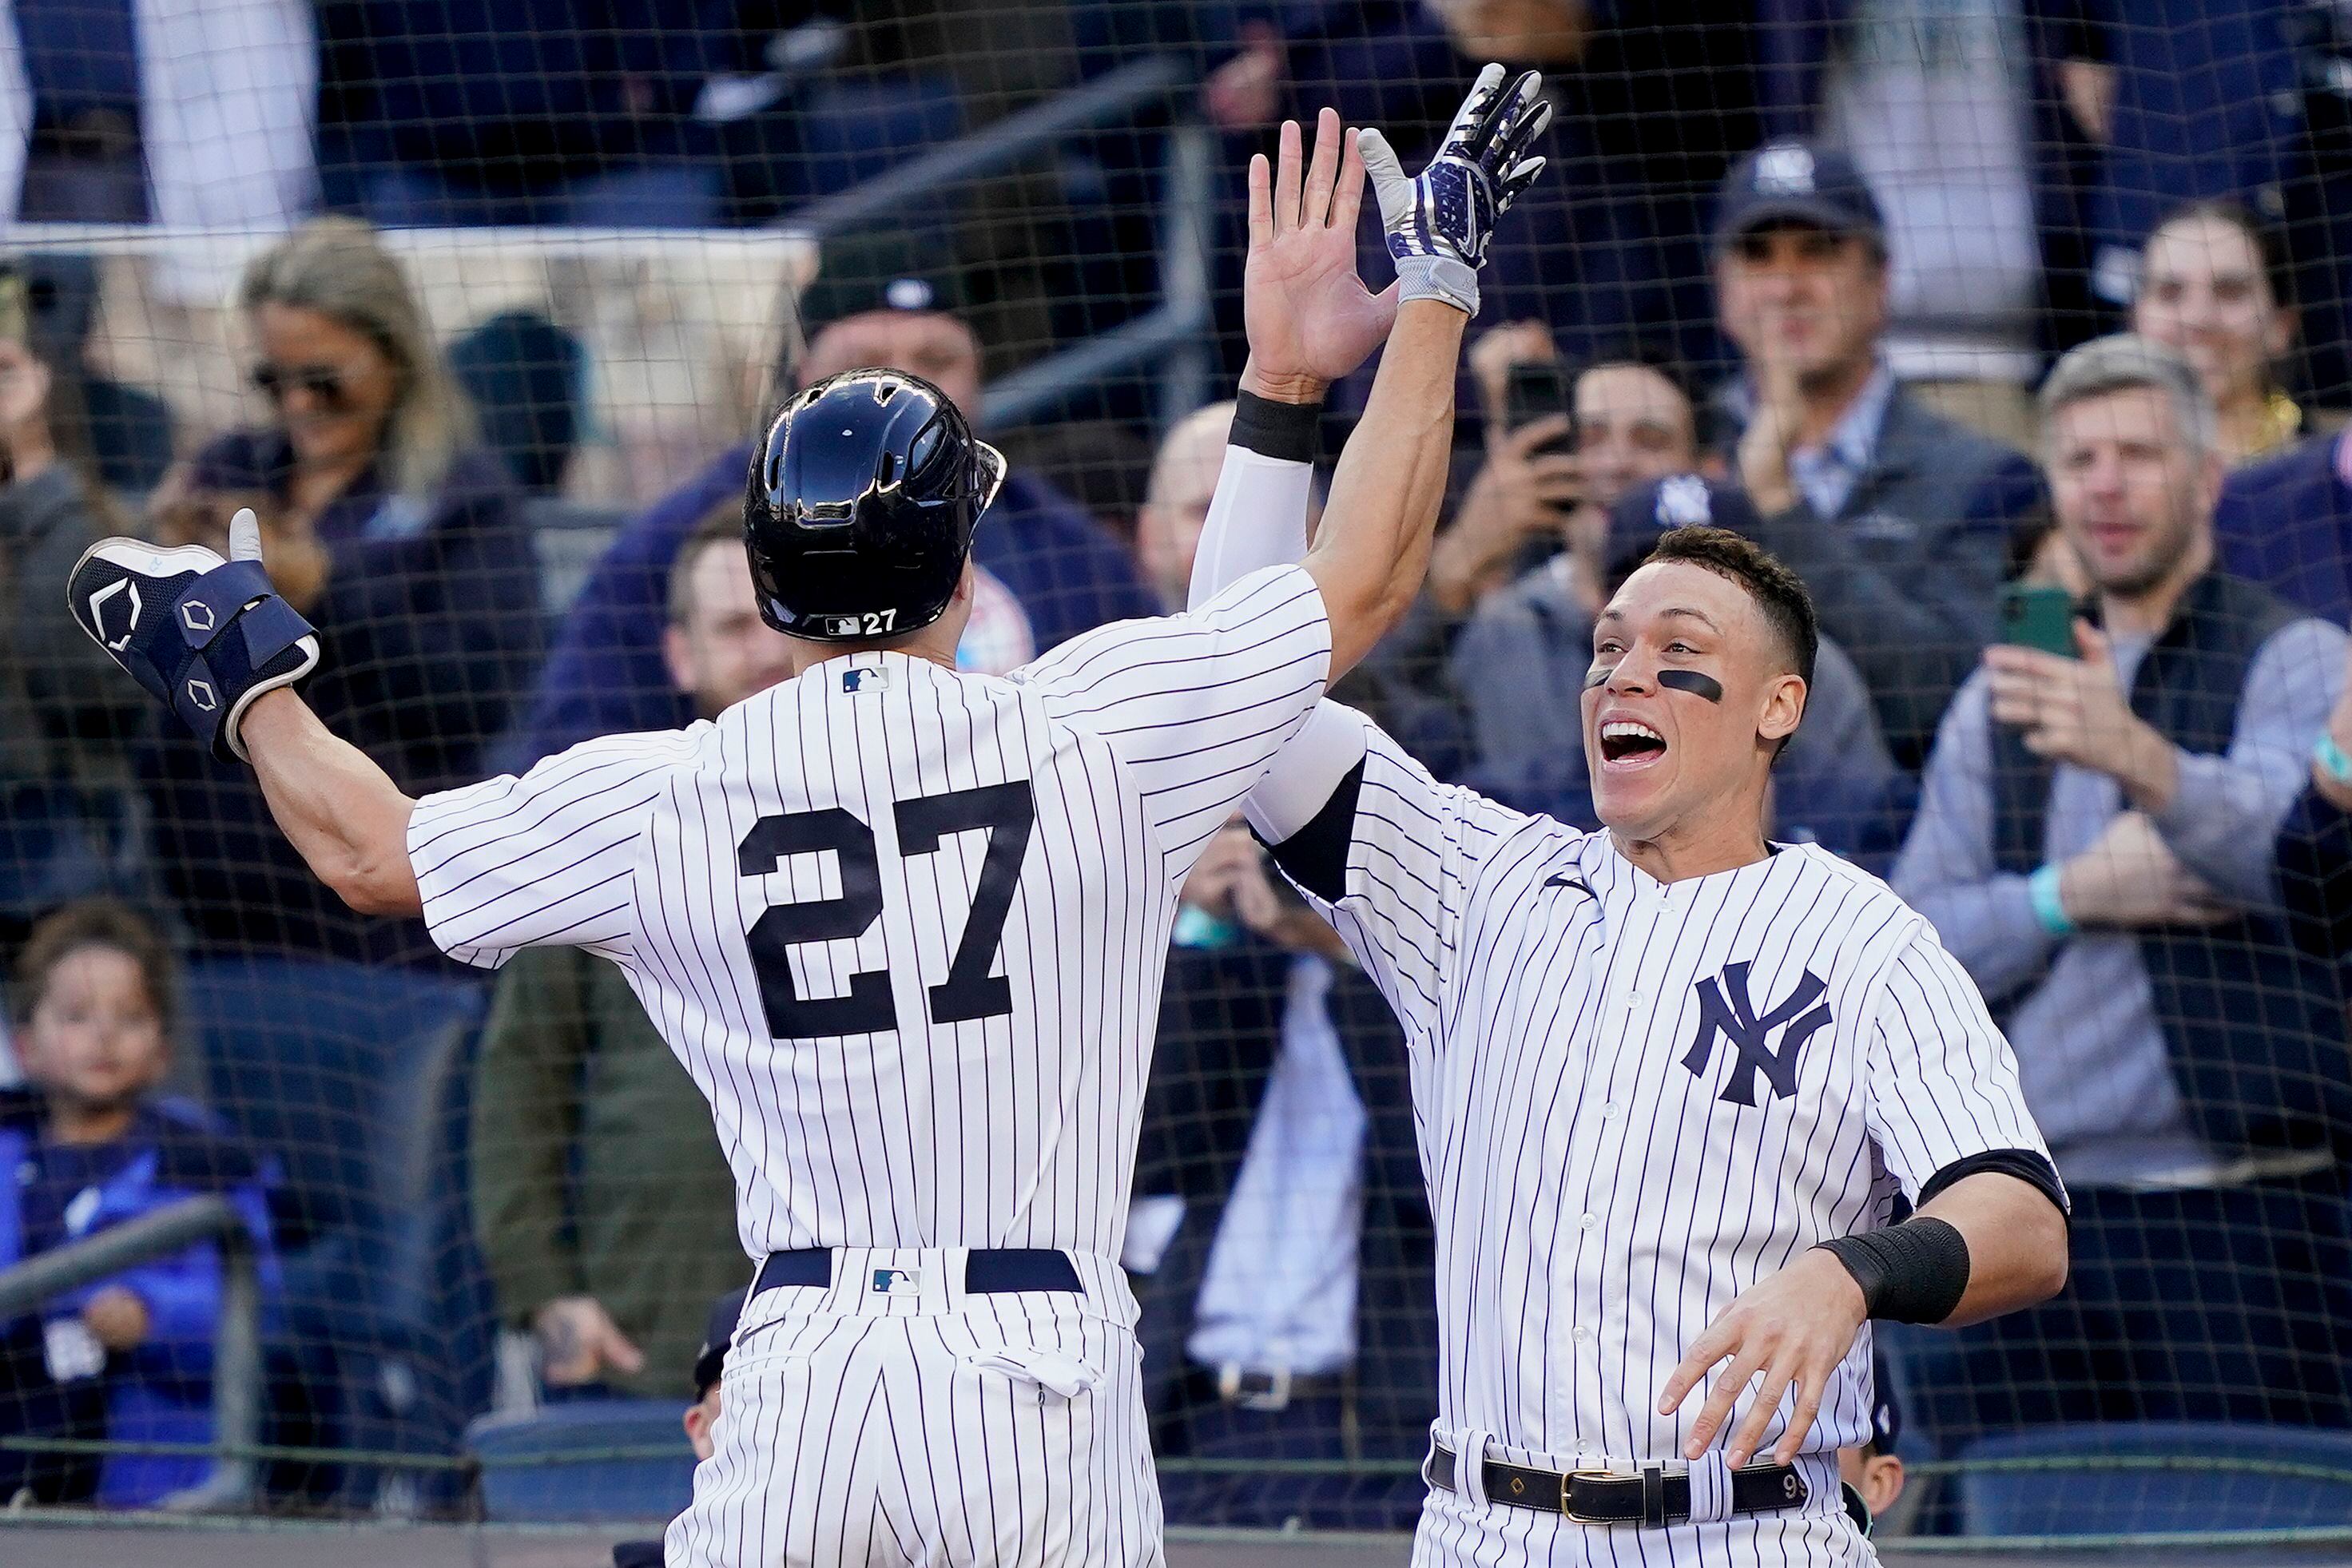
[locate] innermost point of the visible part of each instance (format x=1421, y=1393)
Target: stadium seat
x=2094, y=1499
x=350, y=1077
x=516, y=1488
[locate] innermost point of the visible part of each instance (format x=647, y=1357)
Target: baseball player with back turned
x=1670, y=1079
x=905, y=927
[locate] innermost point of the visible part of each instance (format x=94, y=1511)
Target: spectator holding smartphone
x=91, y=1144
x=395, y=533
x=2094, y=845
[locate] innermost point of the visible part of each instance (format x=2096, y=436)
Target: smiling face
x=1805, y=298
x=333, y=386
x=2132, y=495
x=2203, y=291
x=1666, y=759
x=1633, y=427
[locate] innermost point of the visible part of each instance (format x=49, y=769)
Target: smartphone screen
x=2038, y=615
x=1536, y=389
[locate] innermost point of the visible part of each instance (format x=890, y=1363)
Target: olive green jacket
x=595, y=1170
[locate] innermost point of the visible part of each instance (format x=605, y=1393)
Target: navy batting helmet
x=860, y=507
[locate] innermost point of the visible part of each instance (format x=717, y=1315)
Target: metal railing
x=237, y=1341
x=1173, y=334
x=890, y=196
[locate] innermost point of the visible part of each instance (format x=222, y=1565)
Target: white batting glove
x=1440, y=223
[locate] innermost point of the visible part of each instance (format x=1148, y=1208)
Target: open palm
x=1306, y=312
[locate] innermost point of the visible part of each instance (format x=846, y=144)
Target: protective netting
x=481, y=433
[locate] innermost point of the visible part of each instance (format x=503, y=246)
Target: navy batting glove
x=1440, y=223
x=205, y=636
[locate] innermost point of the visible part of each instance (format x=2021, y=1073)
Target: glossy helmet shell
x=860, y=505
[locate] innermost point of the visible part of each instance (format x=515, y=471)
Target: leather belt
x=1651, y=1497
x=1247, y=1389
x=987, y=1270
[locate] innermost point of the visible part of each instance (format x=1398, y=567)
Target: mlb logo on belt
x=897, y=1281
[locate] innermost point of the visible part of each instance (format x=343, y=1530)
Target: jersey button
x=1588, y=1222
x=1580, y=1334
x=1609, y=1112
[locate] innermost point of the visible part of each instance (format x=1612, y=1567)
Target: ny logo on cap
x=1785, y=170
x=1727, y=1008
x=1683, y=500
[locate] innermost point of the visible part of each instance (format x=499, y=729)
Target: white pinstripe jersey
x=905, y=927
x=1634, y=1099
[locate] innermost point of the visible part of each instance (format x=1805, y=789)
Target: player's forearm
x=344, y=815
x=1373, y=546
x=2017, y=1244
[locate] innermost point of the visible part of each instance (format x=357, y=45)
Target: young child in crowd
x=88, y=1143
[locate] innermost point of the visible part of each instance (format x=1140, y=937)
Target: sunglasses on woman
x=324, y=382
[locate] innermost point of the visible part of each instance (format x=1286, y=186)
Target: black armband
x=2029, y=1165
x=1316, y=856
x=1915, y=1272
x=1284, y=431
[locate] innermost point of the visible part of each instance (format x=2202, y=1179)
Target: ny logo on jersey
x=1725, y=1007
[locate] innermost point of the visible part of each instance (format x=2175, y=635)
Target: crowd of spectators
x=1936, y=301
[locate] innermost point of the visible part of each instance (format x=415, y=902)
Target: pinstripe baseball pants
x=890, y=1419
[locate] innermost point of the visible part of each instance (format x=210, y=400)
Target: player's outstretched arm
x=344, y=815
x=213, y=642
x=1373, y=546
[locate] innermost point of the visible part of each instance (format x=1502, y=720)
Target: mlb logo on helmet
x=1785, y=171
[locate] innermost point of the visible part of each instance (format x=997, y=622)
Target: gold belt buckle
x=1567, y=1480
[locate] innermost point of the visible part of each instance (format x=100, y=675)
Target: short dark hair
x=1778, y=592
x=1658, y=358
x=94, y=922
x=723, y=525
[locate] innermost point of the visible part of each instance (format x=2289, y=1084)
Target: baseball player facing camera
x=1674, y=1082
x=905, y=927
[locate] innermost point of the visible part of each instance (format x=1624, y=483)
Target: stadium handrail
x=888, y=197
x=236, y=1341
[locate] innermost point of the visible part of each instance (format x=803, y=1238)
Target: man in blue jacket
x=86, y=1148
x=605, y=674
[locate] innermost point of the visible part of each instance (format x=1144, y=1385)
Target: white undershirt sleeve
x=1257, y=518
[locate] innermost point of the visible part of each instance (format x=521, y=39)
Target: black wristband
x=1915, y=1272
x=1286, y=431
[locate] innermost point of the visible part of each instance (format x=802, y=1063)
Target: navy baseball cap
x=1796, y=181
x=1680, y=500
x=886, y=274
x=1886, y=1414
x=712, y=1359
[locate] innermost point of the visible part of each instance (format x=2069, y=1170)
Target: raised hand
x=1440, y=223
x=1311, y=319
